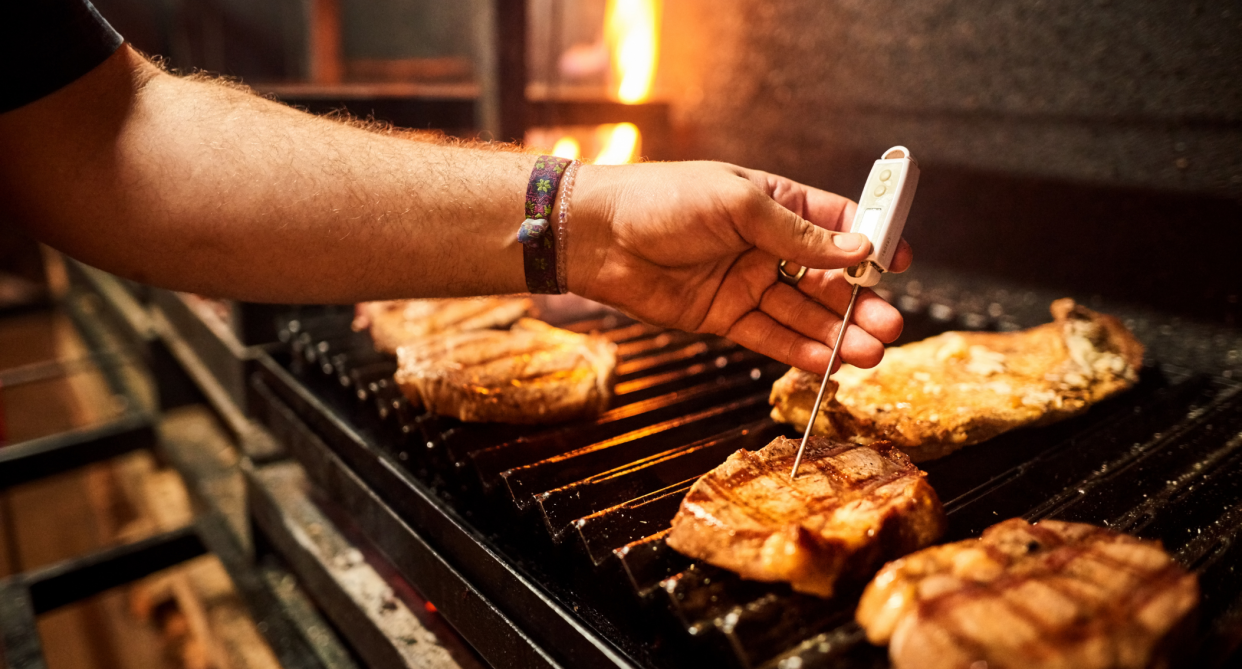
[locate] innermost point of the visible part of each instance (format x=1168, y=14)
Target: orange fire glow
x=620, y=144
x=567, y=147
x=632, y=28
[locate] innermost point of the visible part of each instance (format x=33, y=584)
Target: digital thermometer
x=881, y=216
x=882, y=210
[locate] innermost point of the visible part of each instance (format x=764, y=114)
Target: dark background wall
x=256, y=41
x=1141, y=92
x=268, y=41
x=405, y=29
x=1093, y=146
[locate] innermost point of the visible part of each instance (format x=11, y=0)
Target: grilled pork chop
x=935, y=396
x=534, y=373
x=850, y=508
x=1052, y=595
x=396, y=322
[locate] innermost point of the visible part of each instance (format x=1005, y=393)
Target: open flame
x=631, y=29
x=567, y=147
x=620, y=144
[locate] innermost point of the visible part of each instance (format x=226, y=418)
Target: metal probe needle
x=845, y=323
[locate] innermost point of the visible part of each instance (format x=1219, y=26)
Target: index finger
x=826, y=210
x=822, y=208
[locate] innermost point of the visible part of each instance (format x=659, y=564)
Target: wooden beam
x=511, y=18
x=327, y=66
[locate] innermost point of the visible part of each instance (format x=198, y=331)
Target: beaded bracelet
x=562, y=230
x=539, y=247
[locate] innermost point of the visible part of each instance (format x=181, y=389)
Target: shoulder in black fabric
x=47, y=44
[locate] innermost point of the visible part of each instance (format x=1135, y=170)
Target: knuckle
x=807, y=312
x=747, y=199
x=806, y=233
x=791, y=350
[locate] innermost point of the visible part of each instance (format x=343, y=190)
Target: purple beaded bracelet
x=536, y=235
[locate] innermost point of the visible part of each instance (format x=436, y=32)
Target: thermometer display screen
x=870, y=223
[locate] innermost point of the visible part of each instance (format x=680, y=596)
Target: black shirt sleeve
x=46, y=44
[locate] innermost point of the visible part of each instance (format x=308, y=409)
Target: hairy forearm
x=199, y=186
x=196, y=185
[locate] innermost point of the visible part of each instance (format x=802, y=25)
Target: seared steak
x=534, y=373
x=396, y=322
x=934, y=396
x=1028, y=596
x=850, y=508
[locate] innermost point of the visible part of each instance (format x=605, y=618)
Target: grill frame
x=554, y=600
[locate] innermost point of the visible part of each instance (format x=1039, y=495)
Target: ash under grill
x=583, y=508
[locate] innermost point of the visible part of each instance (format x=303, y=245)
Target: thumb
x=788, y=236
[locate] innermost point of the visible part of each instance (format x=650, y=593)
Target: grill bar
x=528, y=481
x=605, y=531
x=566, y=504
x=648, y=562
x=1029, y=484
x=1133, y=469
x=491, y=462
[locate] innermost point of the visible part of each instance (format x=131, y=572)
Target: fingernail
x=850, y=242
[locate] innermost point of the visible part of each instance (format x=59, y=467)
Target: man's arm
x=198, y=186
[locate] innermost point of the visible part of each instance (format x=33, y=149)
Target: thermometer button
x=885, y=175
x=880, y=190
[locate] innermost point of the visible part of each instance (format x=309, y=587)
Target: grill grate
x=584, y=507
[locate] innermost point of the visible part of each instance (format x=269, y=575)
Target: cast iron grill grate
x=1162, y=461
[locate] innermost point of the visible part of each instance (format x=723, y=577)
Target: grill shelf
x=563, y=526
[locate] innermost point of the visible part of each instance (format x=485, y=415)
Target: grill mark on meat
x=934, y=610
x=820, y=506
x=549, y=377
x=1109, y=580
x=768, y=467
x=813, y=505
x=486, y=341
x=828, y=469
x=397, y=322
x=492, y=354
x=525, y=369
x=748, y=516
x=531, y=374
x=726, y=493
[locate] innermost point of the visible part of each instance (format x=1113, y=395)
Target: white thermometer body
x=881, y=216
x=882, y=211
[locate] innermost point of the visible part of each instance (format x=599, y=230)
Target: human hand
x=694, y=246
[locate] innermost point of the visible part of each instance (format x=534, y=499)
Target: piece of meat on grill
x=396, y=322
x=935, y=396
x=1052, y=595
x=534, y=373
x=850, y=508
